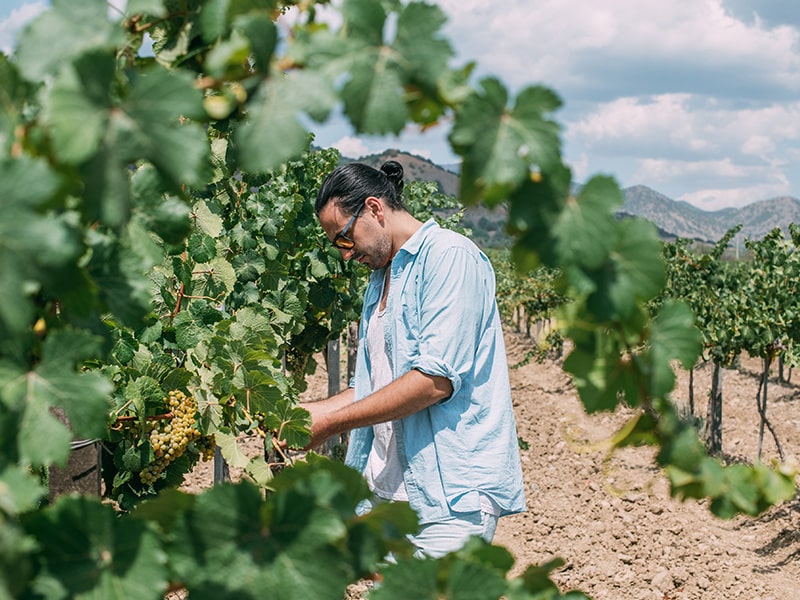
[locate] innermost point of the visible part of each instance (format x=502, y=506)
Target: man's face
x=360, y=236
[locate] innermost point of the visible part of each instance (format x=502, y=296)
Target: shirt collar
x=414, y=243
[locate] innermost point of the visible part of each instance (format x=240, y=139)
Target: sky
x=697, y=99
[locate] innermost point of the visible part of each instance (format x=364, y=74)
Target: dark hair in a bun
x=353, y=183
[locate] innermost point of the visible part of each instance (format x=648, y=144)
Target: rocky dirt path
x=612, y=519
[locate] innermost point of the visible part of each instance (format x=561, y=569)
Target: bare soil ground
x=612, y=519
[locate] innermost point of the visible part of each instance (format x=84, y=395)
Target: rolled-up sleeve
x=451, y=306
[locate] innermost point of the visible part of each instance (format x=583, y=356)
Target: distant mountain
x=673, y=218
x=681, y=219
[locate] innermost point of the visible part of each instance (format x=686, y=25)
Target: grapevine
x=158, y=233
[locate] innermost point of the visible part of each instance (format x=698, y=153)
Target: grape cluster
x=206, y=445
x=170, y=437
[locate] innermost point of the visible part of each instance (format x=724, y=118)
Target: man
x=430, y=405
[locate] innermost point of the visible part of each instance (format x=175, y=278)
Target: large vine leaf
x=89, y=124
x=33, y=246
x=20, y=491
x=499, y=144
x=14, y=91
x=632, y=274
x=94, y=554
x=85, y=396
x=253, y=546
x=379, y=80
x=273, y=132
x=16, y=559
x=43, y=45
x=673, y=335
x=585, y=230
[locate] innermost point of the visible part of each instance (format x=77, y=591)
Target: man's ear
x=375, y=206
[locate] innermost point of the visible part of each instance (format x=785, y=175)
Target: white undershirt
x=383, y=473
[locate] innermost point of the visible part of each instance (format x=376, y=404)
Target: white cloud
x=351, y=147
x=549, y=41
x=718, y=198
x=19, y=17
x=423, y=152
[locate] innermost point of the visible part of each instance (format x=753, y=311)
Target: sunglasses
x=341, y=240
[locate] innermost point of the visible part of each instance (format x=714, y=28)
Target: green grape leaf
x=499, y=145
x=169, y=219
x=262, y=34
x=189, y=330
x=107, y=189
x=26, y=183
x=85, y=397
x=202, y=247
x=146, y=125
x=586, y=228
x=683, y=451
x=409, y=579
x=273, y=133
x=231, y=451
x=292, y=424
x=672, y=336
x=76, y=108
x=259, y=470
x=424, y=51
x=165, y=509
x=135, y=458
x=20, y=490
x=32, y=245
x=248, y=265
x=119, y=273
x=633, y=273
x=743, y=490
x=252, y=320
x=94, y=553
x=124, y=349
x=228, y=59
x=602, y=378
x=14, y=92
x=146, y=396
x=205, y=312
x=42, y=439
x=261, y=389
x=214, y=19
x=205, y=220
x=213, y=279
x=776, y=485
x=218, y=15
x=43, y=47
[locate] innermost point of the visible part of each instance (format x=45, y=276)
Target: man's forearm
x=405, y=396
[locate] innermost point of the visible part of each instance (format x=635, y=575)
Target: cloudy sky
x=698, y=99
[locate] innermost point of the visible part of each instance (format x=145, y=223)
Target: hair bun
x=394, y=171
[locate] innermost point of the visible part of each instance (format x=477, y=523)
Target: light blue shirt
x=443, y=321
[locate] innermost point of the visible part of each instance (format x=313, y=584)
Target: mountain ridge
x=673, y=218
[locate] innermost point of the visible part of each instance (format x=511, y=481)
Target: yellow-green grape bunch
x=206, y=446
x=169, y=437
